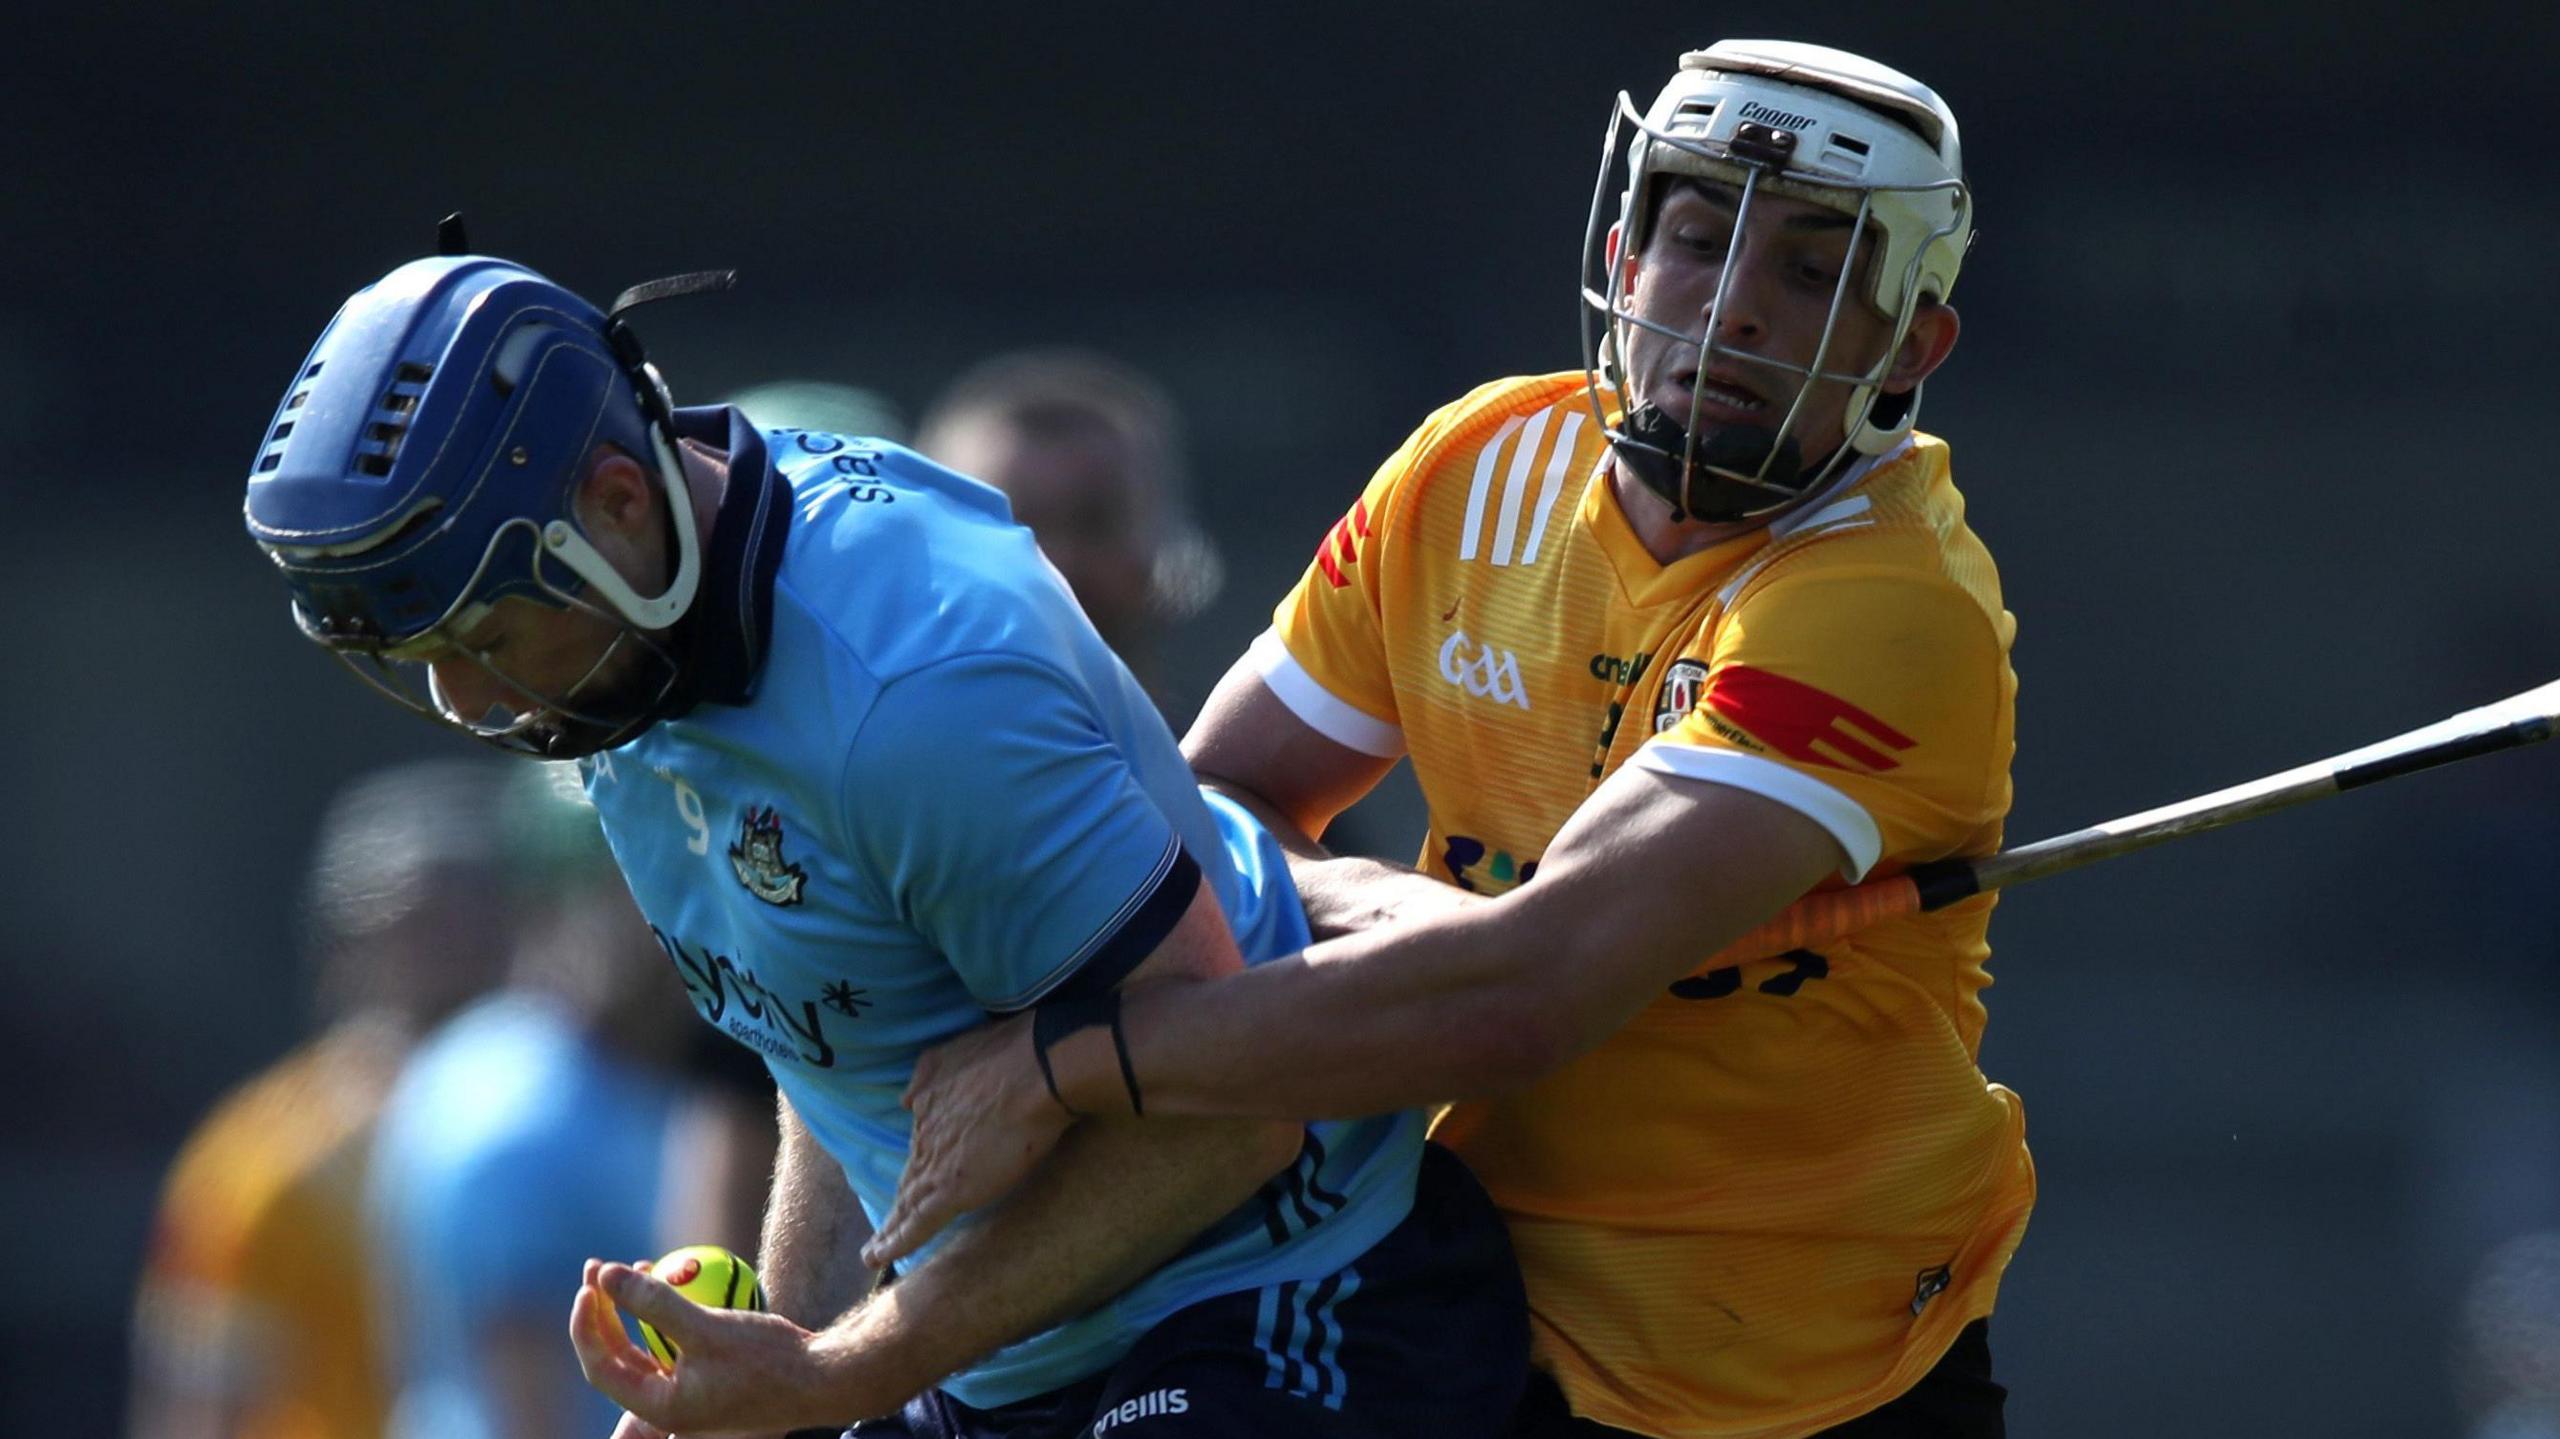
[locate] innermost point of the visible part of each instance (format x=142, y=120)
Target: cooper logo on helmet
x=1783, y=119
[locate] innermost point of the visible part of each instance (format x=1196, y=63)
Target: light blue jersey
x=512, y=1149
x=913, y=789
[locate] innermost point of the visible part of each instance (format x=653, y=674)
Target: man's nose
x=1740, y=313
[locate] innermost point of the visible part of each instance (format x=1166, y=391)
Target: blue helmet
x=421, y=466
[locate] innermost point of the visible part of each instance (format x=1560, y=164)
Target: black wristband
x=1058, y=1018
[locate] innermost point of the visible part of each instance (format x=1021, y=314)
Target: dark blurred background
x=2252, y=405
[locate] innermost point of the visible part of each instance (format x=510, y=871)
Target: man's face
x=577, y=673
x=1079, y=494
x=1786, y=268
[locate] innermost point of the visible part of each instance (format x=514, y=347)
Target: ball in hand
x=709, y=1276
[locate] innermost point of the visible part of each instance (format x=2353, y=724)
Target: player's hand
x=983, y=1120
x=739, y=1370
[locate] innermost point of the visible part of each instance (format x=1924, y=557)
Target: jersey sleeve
x=1876, y=704
x=1009, y=830
x=1325, y=654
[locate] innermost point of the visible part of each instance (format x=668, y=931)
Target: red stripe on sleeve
x=1793, y=718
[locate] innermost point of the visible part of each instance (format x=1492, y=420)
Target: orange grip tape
x=1821, y=918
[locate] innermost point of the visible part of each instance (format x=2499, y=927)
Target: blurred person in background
x=565, y=1115
x=2506, y=1345
x=255, y=1315
x=1089, y=453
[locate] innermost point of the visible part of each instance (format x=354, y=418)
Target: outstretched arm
x=1652, y=873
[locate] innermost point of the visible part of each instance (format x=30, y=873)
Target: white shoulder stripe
x=1317, y=706
x=1554, y=484
x=1825, y=517
x=1483, y=486
x=1847, y=819
x=1848, y=514
x=1515, y=487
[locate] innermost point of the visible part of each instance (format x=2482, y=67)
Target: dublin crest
x=757, y=857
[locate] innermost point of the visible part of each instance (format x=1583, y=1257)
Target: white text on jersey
x=1145, y=1406
x=1487, y=673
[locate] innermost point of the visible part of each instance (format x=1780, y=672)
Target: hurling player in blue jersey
x=872, y=779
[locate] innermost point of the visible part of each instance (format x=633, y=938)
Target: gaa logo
x=1486, y=673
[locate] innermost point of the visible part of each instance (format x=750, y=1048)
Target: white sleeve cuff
x=1317, y=706
x=1846, y=819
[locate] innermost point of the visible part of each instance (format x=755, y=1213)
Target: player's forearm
x=1471, y=1001
x=1348, y=895
x=810, y=1258
x=1111, y=1204
x=1392, y=1019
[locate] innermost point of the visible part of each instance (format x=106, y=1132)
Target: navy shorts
x=1428, y=1333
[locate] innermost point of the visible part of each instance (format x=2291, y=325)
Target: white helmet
x=1814, y=124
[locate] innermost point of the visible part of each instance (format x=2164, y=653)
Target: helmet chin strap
x=1737, y=472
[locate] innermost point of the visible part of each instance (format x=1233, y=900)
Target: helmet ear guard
x=562, y=538
x=565, y=542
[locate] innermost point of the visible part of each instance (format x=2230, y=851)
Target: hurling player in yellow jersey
x=1683, y=635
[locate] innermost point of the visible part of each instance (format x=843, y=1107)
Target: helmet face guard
x=424, y=466
x=1807, y=123
x=633, y=676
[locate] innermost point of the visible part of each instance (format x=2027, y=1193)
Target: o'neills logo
x=1783, y=119
x=1146, y=1406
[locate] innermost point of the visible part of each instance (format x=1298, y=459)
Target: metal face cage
x=570, y=724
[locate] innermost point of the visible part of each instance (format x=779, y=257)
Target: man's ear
x=1617, y=255
x=617, y=496
x=1931, y=338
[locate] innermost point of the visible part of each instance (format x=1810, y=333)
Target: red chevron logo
x=1803, y=723
x=1342, y=544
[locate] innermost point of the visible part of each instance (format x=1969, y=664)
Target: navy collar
x=731, y=622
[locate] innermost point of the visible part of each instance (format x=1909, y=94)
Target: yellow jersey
x=257, y=1291
x=1771, y=1201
